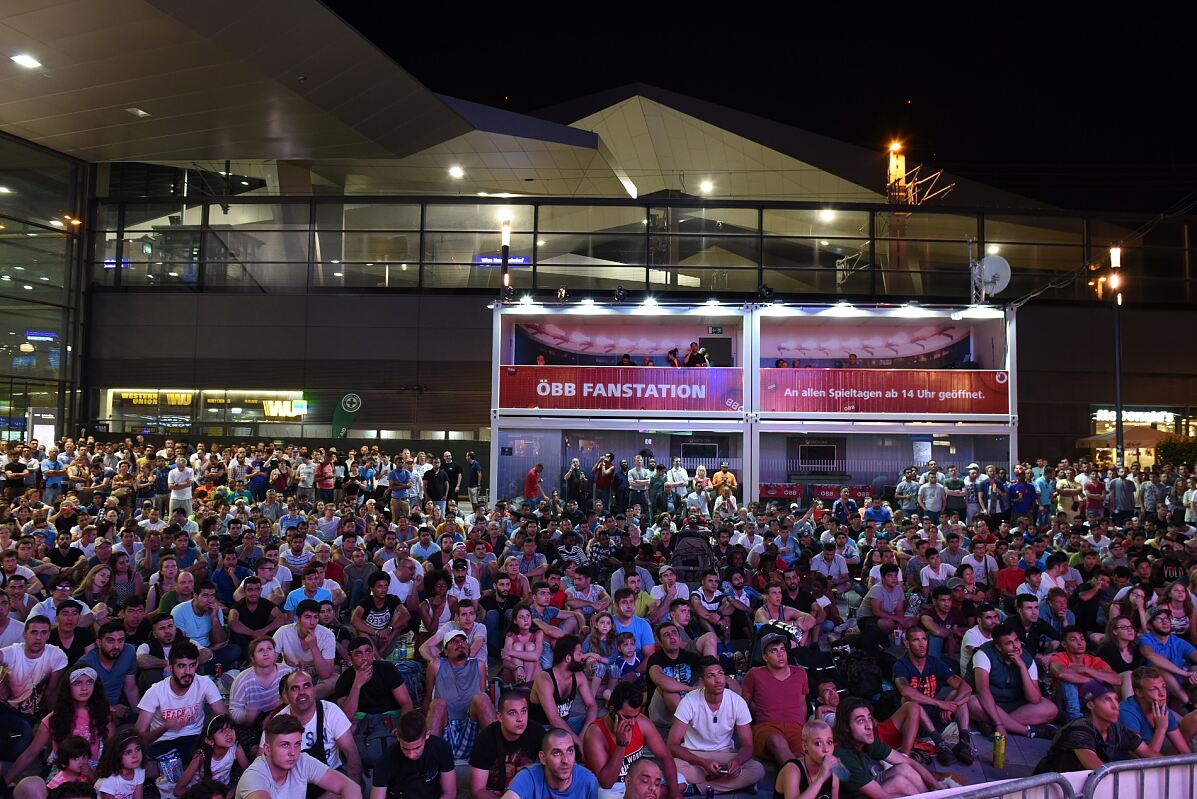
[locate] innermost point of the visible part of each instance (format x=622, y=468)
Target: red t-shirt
x=777, y=700
x=1010, y=578
x=532, y=484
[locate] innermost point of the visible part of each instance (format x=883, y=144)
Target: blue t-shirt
x=297, y=596
x=1131, y=716
x=114, y=680
x=1044, y=486
x=196, y=628
x=398, y=477
x=475, y=474
x=54, y=479
x=1022, y=498
x=935, y=674
x=227, y=583
x=641, y=630
x=529, y=783
x=1176, y=650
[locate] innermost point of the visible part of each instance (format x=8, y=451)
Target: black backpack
x=860, y=674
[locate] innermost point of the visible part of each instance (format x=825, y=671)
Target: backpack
x=860, y=674
x=692, y=556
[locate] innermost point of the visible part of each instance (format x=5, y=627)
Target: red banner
x=829, y=493
x=857, y=391
x=621, y=388
x=788, y=491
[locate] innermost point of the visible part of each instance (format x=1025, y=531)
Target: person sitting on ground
x=1096, y=738
x=558, y=775
x=776, y=695
x=861, y=753
x=455, y=697
x=812, y=774
x=417, y=766
x=706, y=744
x=1074, y=667
x=1006, y=682
x=930, y=682
x=552, y=703
x=674, y=672
x=307, y=645
x=1147, y=713
x=171, y=714
x=285, y=771
x=505, y=747
x=368, y=692
x=1171, y=655
x=620, y=738
x=325, y=726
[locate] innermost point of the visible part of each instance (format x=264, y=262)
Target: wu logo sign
x=284, y=408
x=346, y=411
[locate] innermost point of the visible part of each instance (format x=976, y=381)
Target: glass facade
x=40, y=230
x=273, y=244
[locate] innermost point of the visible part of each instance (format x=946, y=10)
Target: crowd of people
x=268, y=620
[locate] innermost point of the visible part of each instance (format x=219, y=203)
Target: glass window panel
x=161, y=274
x=155, y=216
x=927, y=281
x=257, y=245
x=256, y=276
x=830, y=253
x=817, y=222
x=389, y=246
x=855, y=281
x=361, y=434
x=581, y=278
x=694, y=279
x=31, y=339
x=164, y=245
x=39, y=186
x=926, y=225
x=722, y=221
x=261, y=216
x=39, y=259
x=476, y=248
x=590, y=250
x=464, y=276
x=587, y=218
x=914, y=255
x=1035, y=229
x=1039, y=257
x=724, y=251
x=1104, y=232
x=281, y=431
x=317, y=430
x=370, y=275
x=107, y=216
x=366, y=216
x=477, y=217
x=391, y=434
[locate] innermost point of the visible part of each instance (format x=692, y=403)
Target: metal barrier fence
x=1039, y=786
x=1159, y=777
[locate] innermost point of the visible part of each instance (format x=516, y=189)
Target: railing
x=1039, y=786
x=1145, y=778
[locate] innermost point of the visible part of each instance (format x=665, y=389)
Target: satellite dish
x=990, y=276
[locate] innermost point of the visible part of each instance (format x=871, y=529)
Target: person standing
x=474, y=481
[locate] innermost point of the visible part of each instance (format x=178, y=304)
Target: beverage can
x=710, y=792
x=999, y=750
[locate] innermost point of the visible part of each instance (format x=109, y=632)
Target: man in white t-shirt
x=935, y=573
x=12, y=631
x=708, y=723
x=284, y=770
x=180, y=480
x=327, y=732
x=977, y=636
x=664, y=594
x=309, y=646
x=171, y=714
x=35, y=669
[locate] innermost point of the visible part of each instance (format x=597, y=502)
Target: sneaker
x=964, y=753
x=1046, y=731
x=943, y=754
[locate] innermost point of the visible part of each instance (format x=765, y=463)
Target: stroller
x=692, y=555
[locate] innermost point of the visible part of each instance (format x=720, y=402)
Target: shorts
x=889, y=734
x=460, y=735
x=790, y=730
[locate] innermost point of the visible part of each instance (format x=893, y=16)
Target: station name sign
x=622, y=388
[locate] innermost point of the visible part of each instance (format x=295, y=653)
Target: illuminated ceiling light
x=57, y=223
x=526, y=299
x=456, y=172
x=713, y=301
x=31, y=235
x=895, y=147
x=245, y=183
x=649, y=302
x=824, y=242
x=403, y=267
x=1115, y=281
x=843, y=310
x=235, y=411
x=5, y=190
x=1116, y=257
x=483, y=194
x=137, y=112
x=827, y=215
x=336, y=262
x=26, y=347
x=706, y=187
x=587, y=301
x=993, y=249
x=338, y=274
x=913, y=311
x=43, y=277
x=5, y=277
x=173, y=274
x=979, y=312
x=19, y=268
x=541, y=242
x=370, y=264
x=26, y=60
x=27, y=288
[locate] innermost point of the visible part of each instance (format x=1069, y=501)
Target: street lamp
x=505, y=273
x=1116, y=286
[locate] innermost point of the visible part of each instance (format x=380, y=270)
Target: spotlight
x=507, y=294
x=765, y=292
x=564, y=294
x=621, y=294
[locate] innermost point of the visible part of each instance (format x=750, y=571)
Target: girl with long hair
x=126, y=581
x=163, y=580
x=215, y=757
x=121, y=770
x=599, y=648
x=96, y=592
x=521, y=648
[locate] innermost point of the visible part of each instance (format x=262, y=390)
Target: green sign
x=147, y=248
x=345, y=413
x=715, y=331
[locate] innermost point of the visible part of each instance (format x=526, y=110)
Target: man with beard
x=35, y=669
x=455, y=695
x=556, y=688
x=497, y=606
x=623, y=737
x=327, y=733
x=116, y=667
x=285, y=771
x=171, y=714
x=557, y=775
x=505, y=747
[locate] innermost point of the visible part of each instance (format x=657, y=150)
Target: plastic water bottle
x=402, y=648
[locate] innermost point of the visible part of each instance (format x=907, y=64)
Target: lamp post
x=1116, y=287
x=505, y=272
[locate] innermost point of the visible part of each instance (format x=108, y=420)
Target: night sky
x=1045, y=114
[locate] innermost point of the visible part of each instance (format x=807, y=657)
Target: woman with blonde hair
x=96, y=592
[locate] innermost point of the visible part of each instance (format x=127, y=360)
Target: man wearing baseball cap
x=458, y=705
x=1095, y=738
